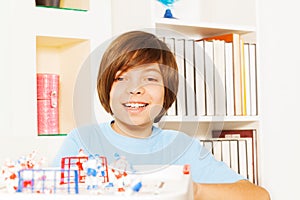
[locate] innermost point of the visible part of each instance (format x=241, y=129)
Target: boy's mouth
x=135, y=105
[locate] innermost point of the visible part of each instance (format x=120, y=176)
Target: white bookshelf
x=45, y=40
x=211, y=118
x=201, y=29
x=198, y=24
x=65, y=38
x=206, y=19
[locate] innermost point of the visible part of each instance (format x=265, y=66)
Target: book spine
x=171, y=44
x=190, y=77
x=209, y=78
x=200, y=78
x=253, y=78
x=219, y=77
x=181, y=95
x=237, y=76
x=229, y=79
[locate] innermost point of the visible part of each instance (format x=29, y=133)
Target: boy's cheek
x=155, y=110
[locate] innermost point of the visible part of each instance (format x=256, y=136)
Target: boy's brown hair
x=132, y=49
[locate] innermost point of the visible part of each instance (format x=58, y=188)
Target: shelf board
x=55, y=42
x=210, y=118
x=53, y=135
x=201, y=28
x=75, y=9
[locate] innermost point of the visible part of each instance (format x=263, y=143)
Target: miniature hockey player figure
x=120, y=180
x=120, y=168
x=9, y=173
x=92, y=166
x=121, y=163
x=81, y=160
x=81, y=153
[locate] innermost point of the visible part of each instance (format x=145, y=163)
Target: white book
x=243, y=158
x=181, y=98
x=250, y=161
x=253, y=78
x=247, y=79
x=243, y=92
x=226, y=151
x=199, y=76
x=217, y=149
x=209, y=78
x=229, y=90
x=208, y=144
x=254, y=158
x=234, y=155
x=219, y=77
x=171, y=44
x=190, y=77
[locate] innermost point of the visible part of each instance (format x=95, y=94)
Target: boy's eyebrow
x=151, y=69
x=144, y=69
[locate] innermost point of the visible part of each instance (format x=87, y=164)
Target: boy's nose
x=136, y=90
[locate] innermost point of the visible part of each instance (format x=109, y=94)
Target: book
x=219, y=77
x=253, y=78
x=226, y=149
x=209, y=78
x=234, y=158
x=171, y=44
x=247, y=151
x=199, y=78
x=233, y=38
x=229, y=80
x=181, y=97
x=217, y=149
x=190, y=77
x=207, y=144
x=243, y=156
x=246, y=80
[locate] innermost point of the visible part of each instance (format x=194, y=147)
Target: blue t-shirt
x=163, y=147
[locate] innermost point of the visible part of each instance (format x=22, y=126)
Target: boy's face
x=137, y=95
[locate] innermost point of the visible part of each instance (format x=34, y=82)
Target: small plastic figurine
x=81, y=160
x=9, y=174
x=92, y=167
x=168, y=4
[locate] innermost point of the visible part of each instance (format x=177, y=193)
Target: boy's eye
x=152, y=79
x=119, y=79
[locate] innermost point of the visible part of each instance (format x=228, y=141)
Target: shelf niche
x=79, y=5
x=62, y=56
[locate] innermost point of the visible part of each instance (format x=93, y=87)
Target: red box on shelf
x=47, y=103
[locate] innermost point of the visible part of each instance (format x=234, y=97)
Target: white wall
x=279, y=60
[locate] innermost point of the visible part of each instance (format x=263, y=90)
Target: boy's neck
x=133, y=131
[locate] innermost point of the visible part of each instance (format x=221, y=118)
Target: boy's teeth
x=135, y=105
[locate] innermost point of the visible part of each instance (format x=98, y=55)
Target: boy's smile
x=137, y=97
x=135, y=106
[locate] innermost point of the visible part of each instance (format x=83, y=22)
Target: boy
x=137, y=83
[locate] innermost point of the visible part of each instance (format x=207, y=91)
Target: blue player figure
x=92, y=167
